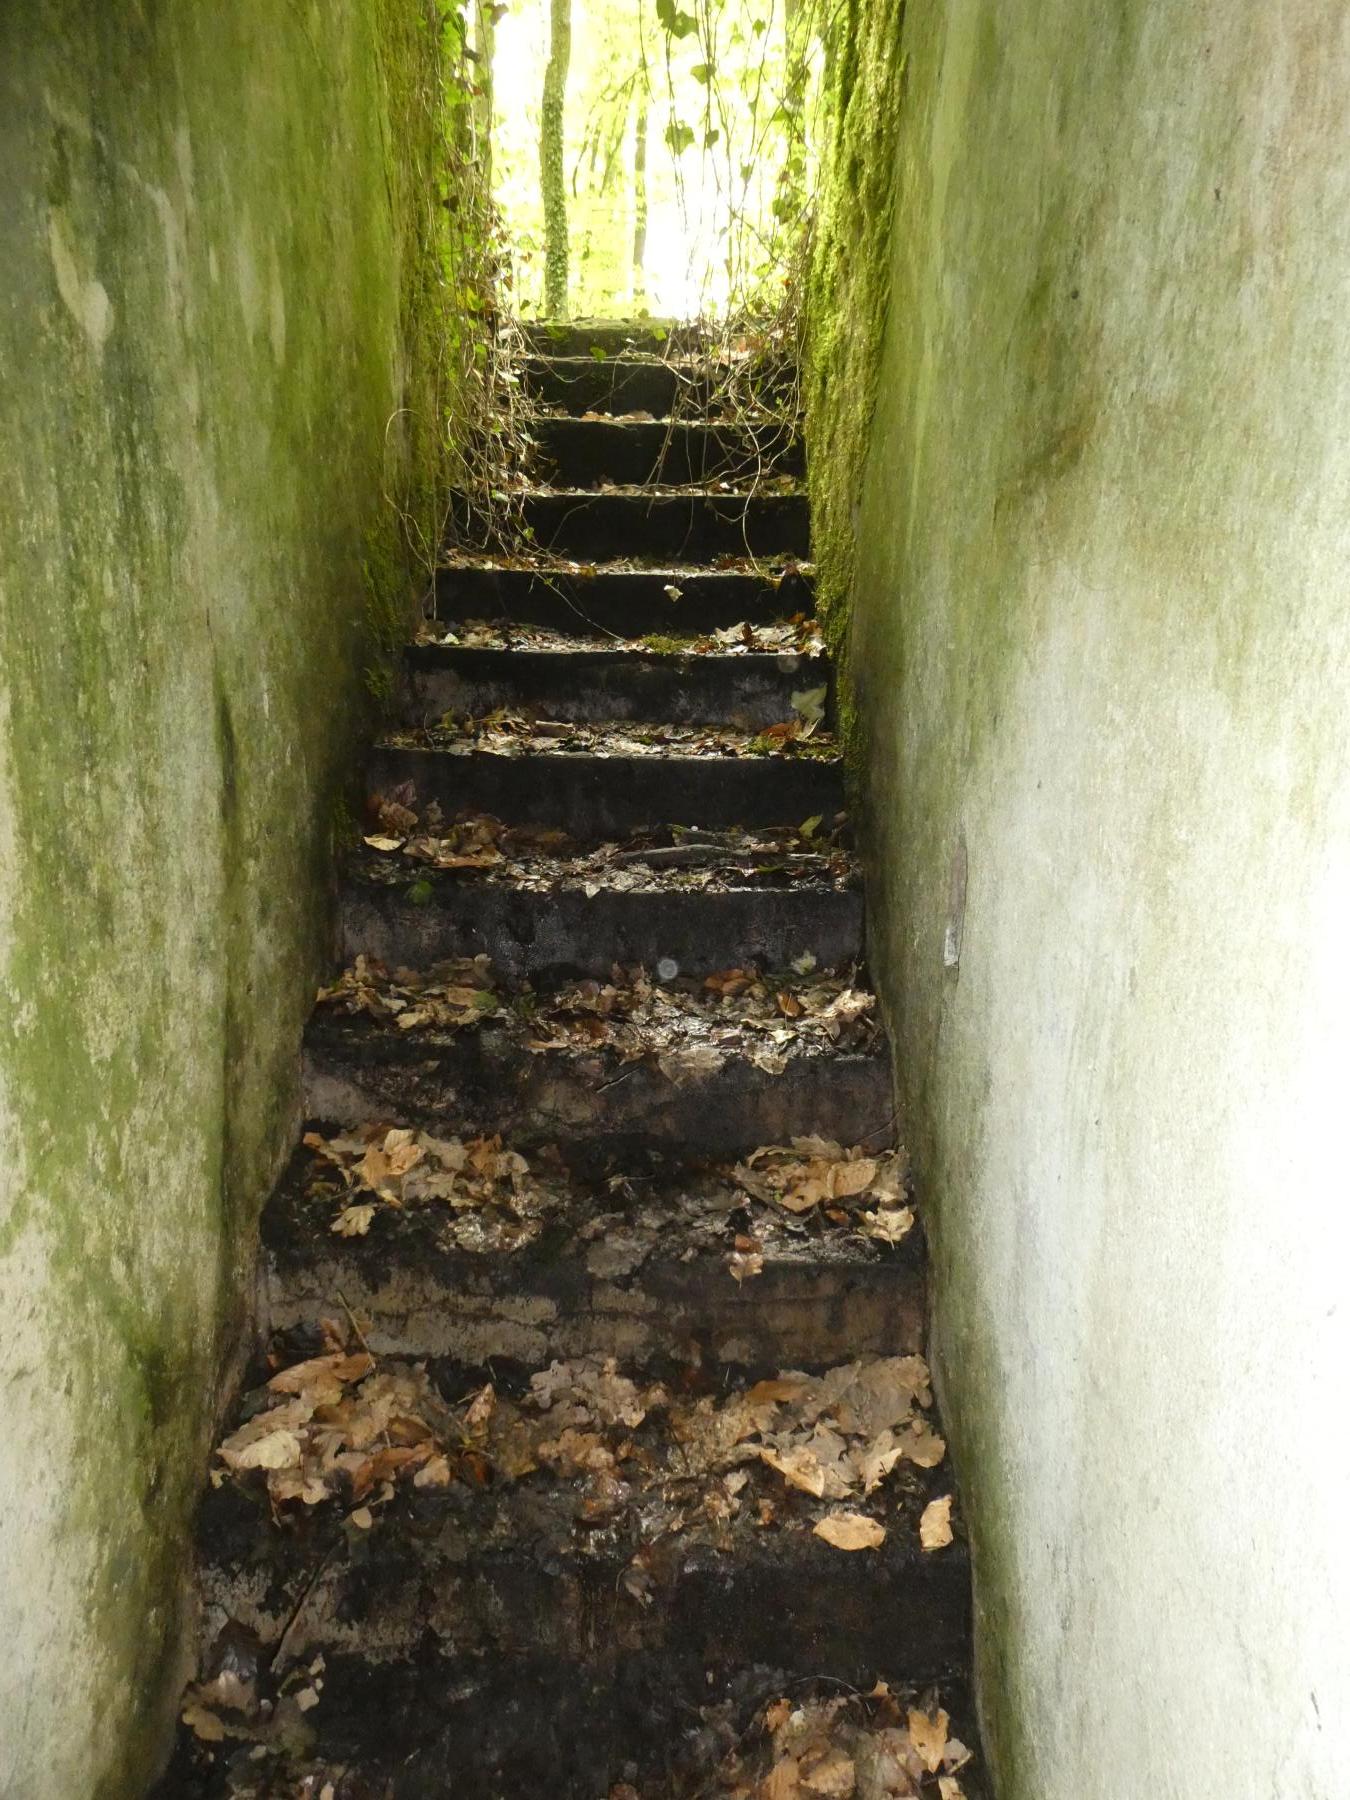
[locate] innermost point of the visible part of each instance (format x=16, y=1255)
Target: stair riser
x=583, y=452
x=598, y=798
x=796, y=1604
x=565, y=931
x=482, y=1083
x=473, y=1727
x=748, y=692
x=618, y=385
x=692, y=529
x=629, y=603
x=615, y=338
x=522, y=1310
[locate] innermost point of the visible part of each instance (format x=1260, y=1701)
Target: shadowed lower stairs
x=588, y=1448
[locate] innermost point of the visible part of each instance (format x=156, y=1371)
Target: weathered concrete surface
x=1102, y=641
x=201, y=349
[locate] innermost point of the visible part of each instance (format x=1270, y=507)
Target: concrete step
x=357, y=1070
x=584, y=452
x=661, y=386
x=630, y=601
x=711, y=1066
x=663, y=1726
x=693, y=526
x=614, y=337
x=589, y=1514
x=747, y=691
x=615, y=785
x=637, y=1264
x=543, y=917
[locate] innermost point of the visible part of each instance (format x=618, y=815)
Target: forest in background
x=647, y=159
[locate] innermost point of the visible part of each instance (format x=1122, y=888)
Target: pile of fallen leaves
x=506, y=733
x=338, y=1427
x=687, y=1026
x=879, y=1746
x=797, y=636
x=489, y=1196
x=540, y=856
x=455, y=995
x=847, y=1186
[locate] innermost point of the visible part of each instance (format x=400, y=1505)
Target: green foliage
x=691, y=143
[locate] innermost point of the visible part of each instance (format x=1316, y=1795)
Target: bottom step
x=650, y=1728
x=428, y=1584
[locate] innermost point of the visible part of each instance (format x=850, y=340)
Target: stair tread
x=601, y=1063
x=513, y=738
x=684, y=1025
x=724, y=570
x=664, y=681
x=488, y=1512
x=423, y=888
x=743, y=640
x=479, y=849
x=778, y=488
x=482, y=1254
x=651, y=1727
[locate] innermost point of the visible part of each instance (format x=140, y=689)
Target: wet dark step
x=749, y=691
x=663, y=1724
x=583, y=452
x=404, y=912
x=593, y=796
x=637, y=384
x=494, y=1578
x=639, y=1266
x=619, y=384
x=485, y=1081
x=590, y=1512
x=694, y=527
x=614, y=337
x=624, y=600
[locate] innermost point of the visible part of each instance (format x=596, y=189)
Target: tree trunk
x=552, y=176
x=640, y=206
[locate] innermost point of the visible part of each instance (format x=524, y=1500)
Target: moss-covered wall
x=221, y=379
x=1101, y=660
x=849, y=282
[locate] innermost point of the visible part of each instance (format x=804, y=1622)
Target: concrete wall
x=1102, y=638
x=205, y=335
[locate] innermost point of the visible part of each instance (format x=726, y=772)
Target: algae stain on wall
x=216, y=303
x=1099, y=632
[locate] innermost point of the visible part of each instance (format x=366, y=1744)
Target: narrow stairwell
x=588, y=1450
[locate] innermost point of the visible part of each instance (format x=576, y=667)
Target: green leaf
x=702, y=72
x=421, y=893
x=710, y=138
x=679, y=136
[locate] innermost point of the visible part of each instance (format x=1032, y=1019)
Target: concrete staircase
x=589, y=1450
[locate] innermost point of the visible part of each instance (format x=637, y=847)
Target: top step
x=614, y=337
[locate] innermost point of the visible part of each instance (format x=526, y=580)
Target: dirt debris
x=340, y=1427
x=687, y=1027
x=401, y=831
x=507, y=733
x=797, y=636
x=782, y=1201
x=877, y=1746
